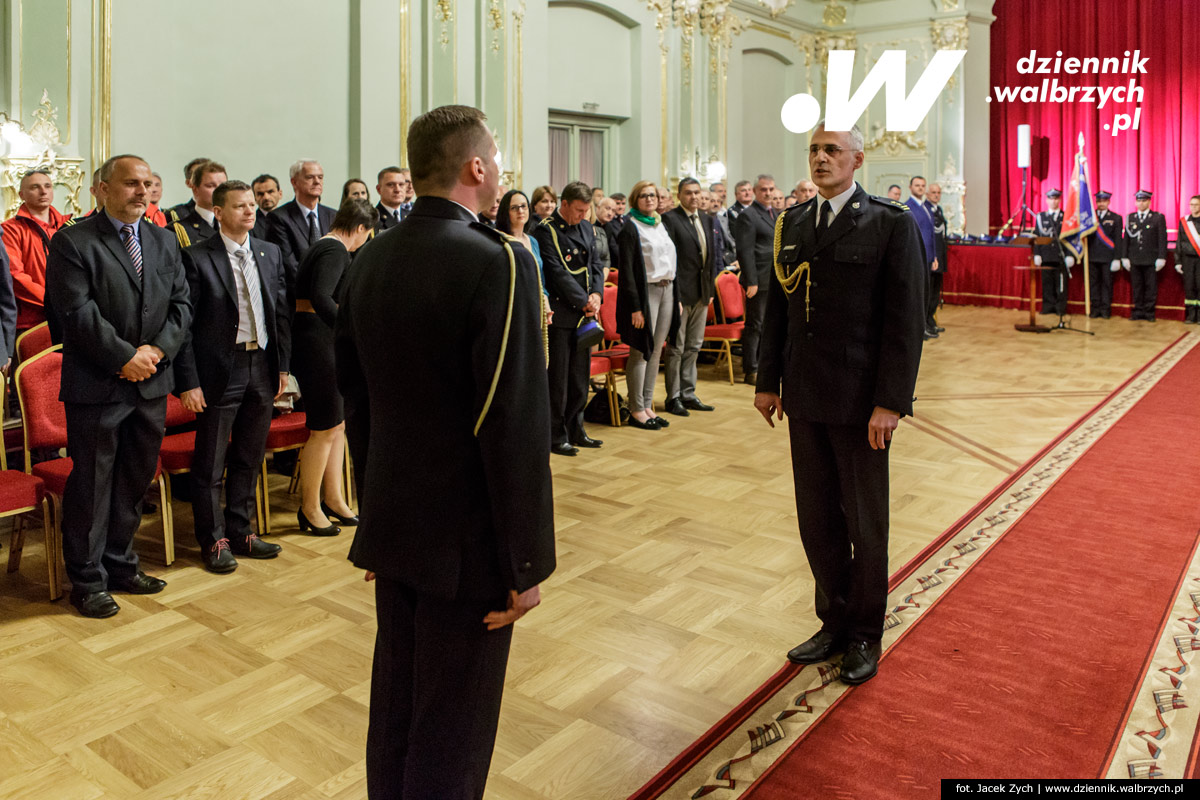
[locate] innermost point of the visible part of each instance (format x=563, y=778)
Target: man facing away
x=842, y=337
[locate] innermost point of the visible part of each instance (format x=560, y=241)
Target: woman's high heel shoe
x=338, y=518
x=305, y=525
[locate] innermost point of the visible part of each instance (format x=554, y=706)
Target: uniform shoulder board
x=887, y=201
x=499, y=236
x=174, y=214
x=70, y=222
x=181, y=235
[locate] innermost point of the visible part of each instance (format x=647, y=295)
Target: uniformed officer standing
x=1145, y=255
x=1187, y=260
x=575, y=282
x=1105, y=247
x=842, y=334
x=1050, y=256
x=457, y=517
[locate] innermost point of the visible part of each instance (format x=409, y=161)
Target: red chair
x=44, y=422
x=33, y=341
x=19, y=495
x=603, y=366
x=175, y=454
x=733, y=306
x=615, y=352
x=288, y=432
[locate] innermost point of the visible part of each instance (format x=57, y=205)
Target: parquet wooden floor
x=681, y=583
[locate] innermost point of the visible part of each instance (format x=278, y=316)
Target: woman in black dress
x=318, y=285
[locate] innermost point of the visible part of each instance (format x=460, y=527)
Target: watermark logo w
x=801, y=112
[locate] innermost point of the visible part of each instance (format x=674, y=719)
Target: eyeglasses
x=516, y=207
x=831, y=150
x=651, y=195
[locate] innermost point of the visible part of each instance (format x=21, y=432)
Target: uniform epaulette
x=182, y=236
x=174, y=214
x=887, y=201
x=71, y=221
x=488, y=229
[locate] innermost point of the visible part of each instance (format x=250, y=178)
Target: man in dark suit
x=8, y=313
x=754, y=235
x=176, y=213
x=743, y=198
x=267, y=195
x=117, y=300
x=843, y=337
x=924, y=219
x=392, y=185
x=296, y=225
x=695, y=267
x=232, y=366
x=575, y=282
x=1145, y=255
x=457, y=513
x=199, y=224
x=1105, y=247
x=933, y=200
x=1056, y=264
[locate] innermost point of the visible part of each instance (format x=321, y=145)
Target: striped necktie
x=257, y=322
x=131, y=244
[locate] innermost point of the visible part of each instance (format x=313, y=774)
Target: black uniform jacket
x=1183, y=245
x=939, y=237
x=859, y=346
x=193, y=229
x=754, y=235
x=572, y=268
x=101, y=311
x=1146, y=242
x=1113, y=228
x=206, y=358
x=456, y=501
x=1049, y=223
x=694, y=276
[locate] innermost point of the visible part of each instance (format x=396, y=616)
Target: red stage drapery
x=1163, y=156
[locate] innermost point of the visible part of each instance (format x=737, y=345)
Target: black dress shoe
x=821, y=647
x=750, y=378
x=648, y=425
x=860, y=663
x=660, y=422
x=586, y=441
x=675, y=406
x=337, y=518
x=96, y=605
x=219, y=558
x=305, y=525
x=141, y=583
x=564, y=449
x=254, y=547
x=930, y=335
x=695, y=405
x=939, y=329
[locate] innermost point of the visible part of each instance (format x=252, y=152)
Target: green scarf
x=651, y=220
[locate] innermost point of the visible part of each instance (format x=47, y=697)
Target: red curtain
x=1162, y=156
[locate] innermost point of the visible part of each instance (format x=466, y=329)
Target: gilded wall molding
x=495, y=18
x=950, y=34
x=776, y=7
x=518, y=15
x=892, y=143
x=405, y=73
x=37, y=148
x=834, y=14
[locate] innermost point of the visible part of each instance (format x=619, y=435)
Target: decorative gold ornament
x=893, y=142
x=835, y=13
x=444, y=13
x=37, y=148
x=495, y=16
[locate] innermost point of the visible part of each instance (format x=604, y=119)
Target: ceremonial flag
x=1079, y=212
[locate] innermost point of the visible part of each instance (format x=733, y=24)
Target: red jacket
x=27, y=240
x=156, y=215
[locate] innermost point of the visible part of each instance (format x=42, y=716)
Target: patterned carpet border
x=775, y=720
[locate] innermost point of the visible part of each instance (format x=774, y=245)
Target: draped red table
x=986, y=275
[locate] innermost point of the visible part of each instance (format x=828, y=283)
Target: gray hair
x=106, y=169
x=764, y=177
x=856, y=135
x=298, y=167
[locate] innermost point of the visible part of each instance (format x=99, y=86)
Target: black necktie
x=823, y=220
x=314, y=232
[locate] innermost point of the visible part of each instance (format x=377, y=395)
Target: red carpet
x=1029, y=664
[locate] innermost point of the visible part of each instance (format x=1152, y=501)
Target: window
x=579, y=151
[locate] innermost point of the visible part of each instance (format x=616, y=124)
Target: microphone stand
x=1022, y=208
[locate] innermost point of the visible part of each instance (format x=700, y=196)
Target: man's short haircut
x=155, y=174
x=618, y=196
x=354, y=213
x=191, y=165
x=106, y=169
x=856, y=135
x=440, y=141
x=764, y=177
x=576, y=190
x=298, y=167
x=36, y=171
x=894, y=186
x=712, y=187
x=915, y=178
x=686, y=182
x=1194, y=197
x=387, y=171
x=741, y=185
x=207, y=168
x=222, y=191
x=264, y=178
x=96, y=177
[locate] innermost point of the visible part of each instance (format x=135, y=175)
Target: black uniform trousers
x=435, y=695
x=114, y=450
x=1101, y=278
x=933, y=297
x=842, y=509
x=1054, y=288
x=568, y=373
x=1191, y=286
x=756, y=308
x=1143, y=280
x=231, y=434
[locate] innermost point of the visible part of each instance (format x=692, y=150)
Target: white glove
x=1159, y=263
x=1179, y=268
x=1037, y=261
x=1070, y=261
x=1125, y=263
x=1116, y=265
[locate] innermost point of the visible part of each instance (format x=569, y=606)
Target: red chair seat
x=727, y=330
x=287, y=431
x=175, y=455
x=54, y=473
x=600, y=366
x=18, y=490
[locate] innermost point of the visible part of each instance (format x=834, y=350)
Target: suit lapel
x=297, y=219
x=112, y=240
x=223, y=266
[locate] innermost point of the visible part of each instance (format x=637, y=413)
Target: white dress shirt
x=245, y=331
x=658, y=251
x=836, y=203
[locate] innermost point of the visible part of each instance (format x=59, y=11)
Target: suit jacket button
x=809, y=334
x=146, y=309
x=526, y=567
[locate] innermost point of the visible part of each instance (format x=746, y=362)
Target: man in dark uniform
x=575, y=282
x=1104, y=256
x=117, y=300
x=754, y=237
x=176, y=213
x=1145, y=255
x=392, y=184
x=1187, y=260
x=457, y=518
x=842, y=334
x=200, y=223
x=1056, y=265
x=937, y=277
